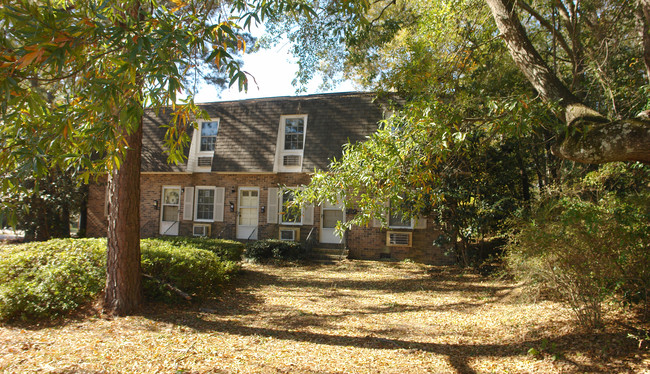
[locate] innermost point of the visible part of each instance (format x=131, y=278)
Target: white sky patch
x=271, y=72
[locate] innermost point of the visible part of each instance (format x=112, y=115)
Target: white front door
x=169, y=210
x=247, y=213
x=330, y=215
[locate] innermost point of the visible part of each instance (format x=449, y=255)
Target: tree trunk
x=123, y=272
x=590, y=137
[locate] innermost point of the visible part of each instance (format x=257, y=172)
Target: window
x=290, y=149
x=208, y=136
x=294, y=133
x=289, y=214
x=398, y=221
x=204, y=204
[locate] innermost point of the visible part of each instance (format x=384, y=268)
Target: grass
x=356, y=317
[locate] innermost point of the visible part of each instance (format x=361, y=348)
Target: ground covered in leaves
x=354, y=317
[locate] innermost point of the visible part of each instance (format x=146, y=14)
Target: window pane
x=205, y=204
x=398, y=220
x=207, y=144
x=331, y=217
x=294, y=130
x=208, y=135
x=170, y=213
x=290, y=214
x=209, y=128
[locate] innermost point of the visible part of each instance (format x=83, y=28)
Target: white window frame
x=281, y=209
x=196, y=202
x=281, y=152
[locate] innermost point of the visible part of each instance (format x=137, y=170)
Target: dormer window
x=291, y=143
x=204, y=143
x=294, y=133
x=208, y=136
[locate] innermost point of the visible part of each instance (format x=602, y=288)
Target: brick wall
x=363, y=242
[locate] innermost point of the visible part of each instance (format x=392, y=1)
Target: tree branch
x=542, y=21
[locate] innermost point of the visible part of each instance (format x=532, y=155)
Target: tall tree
x=591, y=137
x=113, y=60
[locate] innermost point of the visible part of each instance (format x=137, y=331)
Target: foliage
x=229, y=250
x=48, y=279
x=76, y=77
x=264, y=250
x=46, y=205
x=44, y=280
x=193, y=270
x=587, y=251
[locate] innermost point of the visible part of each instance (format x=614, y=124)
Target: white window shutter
x=308, y=215
x=272, y=206
x=219, y=200
x=420, y=223
x=188, y=204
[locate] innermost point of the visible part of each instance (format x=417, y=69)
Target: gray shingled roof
x=248, y=130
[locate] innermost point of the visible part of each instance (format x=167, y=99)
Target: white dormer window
x=204, y=143
x=291, y=143
x=208, y=136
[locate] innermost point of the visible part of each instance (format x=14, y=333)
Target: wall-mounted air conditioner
x=201, y=230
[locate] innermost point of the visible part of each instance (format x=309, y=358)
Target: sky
x=273, y=70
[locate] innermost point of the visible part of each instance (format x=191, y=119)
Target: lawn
x=355, y=317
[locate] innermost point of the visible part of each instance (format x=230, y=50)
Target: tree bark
x=590, y=137
x=123, y=272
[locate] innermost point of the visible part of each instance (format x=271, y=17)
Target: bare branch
x=542, y=21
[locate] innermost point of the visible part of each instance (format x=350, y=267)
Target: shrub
x=46, y=279
x=229, y=250
x=263, y=250
x=195, y=271
x=586, y=252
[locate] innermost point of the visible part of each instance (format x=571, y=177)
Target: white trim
x=196, y=202
x=195, y=148
x=280, y=152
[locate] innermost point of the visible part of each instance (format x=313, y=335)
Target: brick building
x=242, y=165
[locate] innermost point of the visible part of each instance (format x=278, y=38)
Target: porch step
x=328, y=255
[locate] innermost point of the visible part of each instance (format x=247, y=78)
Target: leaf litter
x=353, y=317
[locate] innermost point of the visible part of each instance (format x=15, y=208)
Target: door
x=331, y=214
x=169, y=210
x=247, y=213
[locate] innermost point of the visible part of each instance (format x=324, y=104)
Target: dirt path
x=356, y=317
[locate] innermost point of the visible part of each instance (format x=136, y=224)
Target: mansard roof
x=248, y=130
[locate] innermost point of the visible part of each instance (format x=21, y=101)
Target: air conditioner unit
x=291, y=160
x=201, y=230
x=289, y=234
x=399, y=239
x=204, y=161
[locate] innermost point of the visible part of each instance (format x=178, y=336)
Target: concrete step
x=328, y=255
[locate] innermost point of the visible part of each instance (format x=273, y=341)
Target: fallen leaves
x=355, y=317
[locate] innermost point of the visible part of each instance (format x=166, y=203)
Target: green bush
x=226, y=249
x=263, y=250
x=198, y=272
x=43, y=280
x=47, y=279
x=586, y=252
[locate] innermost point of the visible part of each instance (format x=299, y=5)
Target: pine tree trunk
x=123, y=272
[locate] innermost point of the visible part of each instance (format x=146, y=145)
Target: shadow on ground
x=607, y=351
